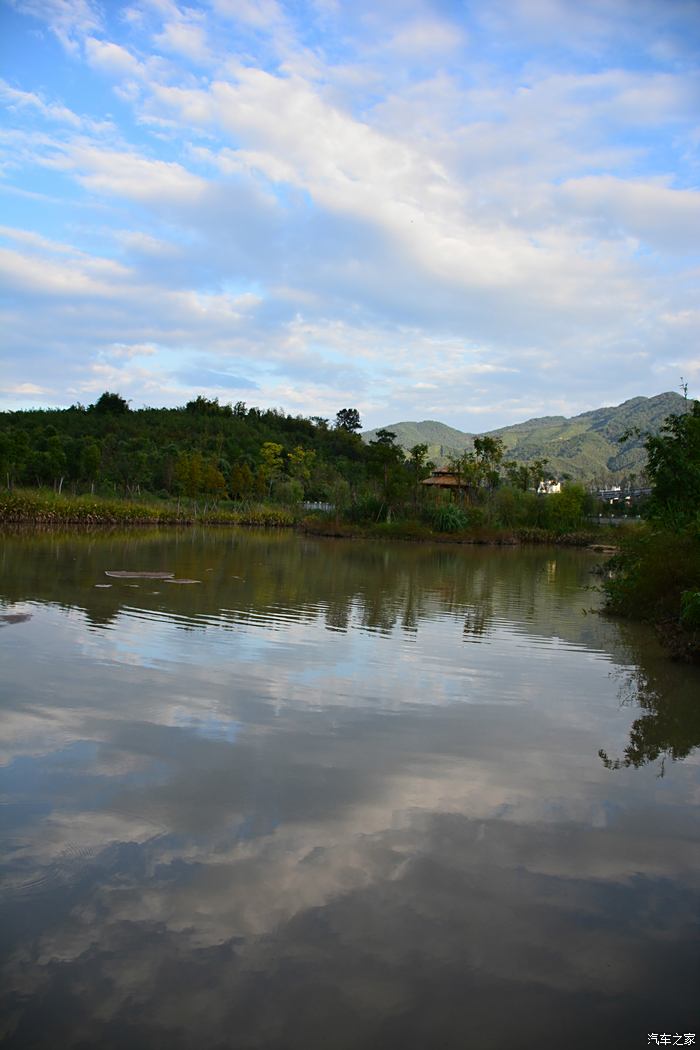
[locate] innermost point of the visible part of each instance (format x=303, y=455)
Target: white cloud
x=131, y=175
x=291, y=135
x=112, y=58
x=122, y=350
x=69, y=20
x=260, y=14
x=185, y=39
x=17, y=101
x=145, y=244
x=29, y=273
x=666, y=218
x=306, y=196
x=426, y=39
x=36, y=240
x=25, y=389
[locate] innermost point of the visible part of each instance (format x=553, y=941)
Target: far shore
x=46, y=509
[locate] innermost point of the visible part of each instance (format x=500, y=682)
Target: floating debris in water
x=122, y=574
x=15, y=617
x=181, y=581
x=103, y=585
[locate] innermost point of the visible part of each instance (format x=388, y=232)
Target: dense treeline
x=202, y=449
x=656, y=576
x=216, y=453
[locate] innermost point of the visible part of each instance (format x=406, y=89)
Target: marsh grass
x=421, y=531
x=44, y=507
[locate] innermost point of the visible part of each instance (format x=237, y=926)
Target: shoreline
x=30, y=509
x=485, y=536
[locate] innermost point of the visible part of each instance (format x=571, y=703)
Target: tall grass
x=47, y=508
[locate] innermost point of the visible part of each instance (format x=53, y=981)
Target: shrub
x=449, y=518
x=370, y=508
x=288, y=491
x=566, y=510
x=690, y=610
x=653, y=573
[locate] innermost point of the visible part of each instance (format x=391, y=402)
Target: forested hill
x=585, y=446
x=203, y=448
x=209, y=449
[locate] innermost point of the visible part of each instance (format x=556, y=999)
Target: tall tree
x=386, y=461
x=420, y=467
x=489, y=453
x=348, y=419
x=271, y=465
x=113, y=404
x=674, y=467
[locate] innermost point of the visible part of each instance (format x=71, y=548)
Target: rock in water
x=123, y=574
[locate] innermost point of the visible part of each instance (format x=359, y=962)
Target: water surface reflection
x=337, y=794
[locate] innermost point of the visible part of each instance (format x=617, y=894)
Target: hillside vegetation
x=228, y=463
x=587, y=446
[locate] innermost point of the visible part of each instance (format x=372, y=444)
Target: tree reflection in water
x=669, y=727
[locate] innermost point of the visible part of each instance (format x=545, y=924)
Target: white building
x=548, y=487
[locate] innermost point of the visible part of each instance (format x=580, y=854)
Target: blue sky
x=472, y=212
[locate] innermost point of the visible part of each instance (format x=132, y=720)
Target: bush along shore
x=655, y=577
x=599, y=538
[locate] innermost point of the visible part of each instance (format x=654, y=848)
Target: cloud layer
x=475, y=214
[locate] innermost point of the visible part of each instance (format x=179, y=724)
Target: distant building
x=444, y=478
x=614, y=495
x=548, y=487
x=611, y=495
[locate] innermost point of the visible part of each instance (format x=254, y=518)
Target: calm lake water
x=338, y=795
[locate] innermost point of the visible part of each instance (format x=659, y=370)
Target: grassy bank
x=327, y=525
x=41, y=507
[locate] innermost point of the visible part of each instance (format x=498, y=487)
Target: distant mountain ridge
x=585, y=446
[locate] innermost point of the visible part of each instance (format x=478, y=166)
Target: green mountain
x=436, y=435
x=587, y=446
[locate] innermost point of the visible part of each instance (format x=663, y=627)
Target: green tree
x=14, y=455
x=213, y=481
x=348, y=419
x=386, y=461
x=111, y=404
x=468, y=472
x=489, y=453
x=271, y=463
x=242, y=481
x=56, y=462
x=518, y=475
x=538, y=471
x=673, y=467
x=189, y=470
x=90, y=458
x=420, y=467
x=204, y=406
x=301, y=462
x=567, y=509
